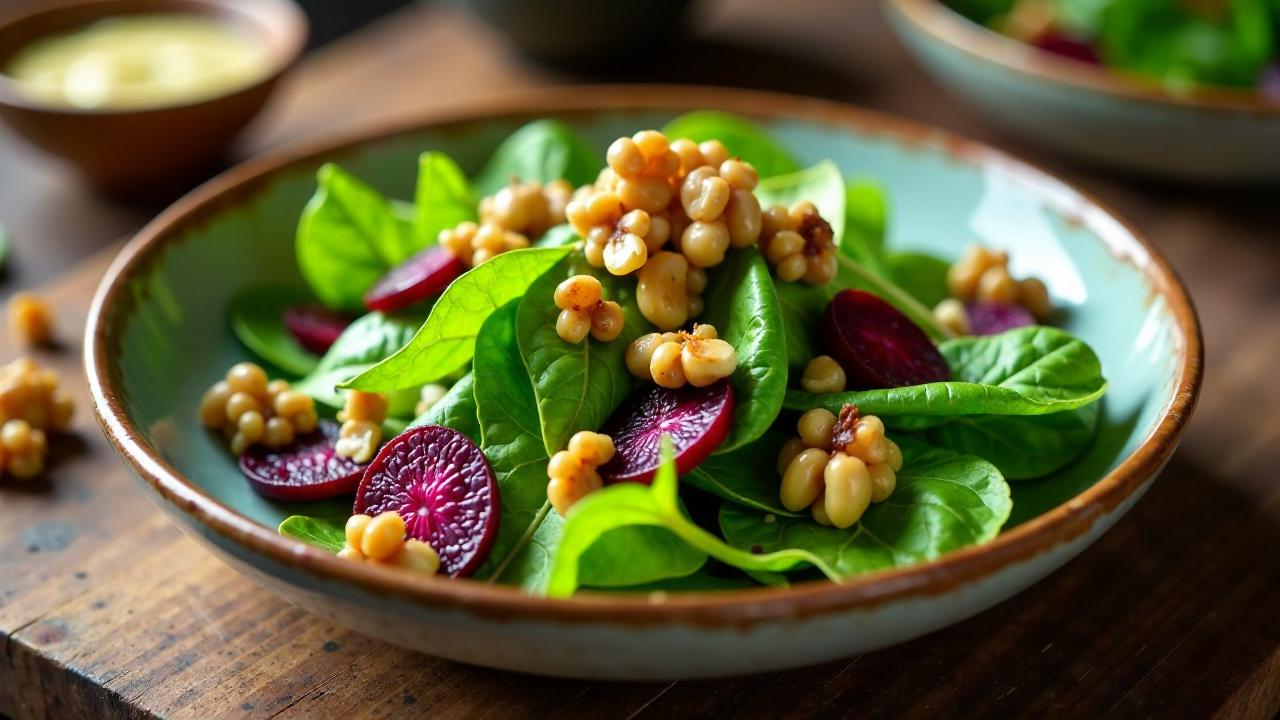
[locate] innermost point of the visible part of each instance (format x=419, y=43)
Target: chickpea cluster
x=823, y=375
x=250, y=410
x=22, y=449
x=30, y=319
x=672, y=359
x=573, y=472
x=583, y=310
x=655, y=192
x=361, y=432
x=983, y=274
x=838, y=466
x=35, y=395
x=476, y=244
x=799, y=243
x=527, y=208
x=382, y=539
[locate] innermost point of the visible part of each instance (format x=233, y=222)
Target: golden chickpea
x=815, y=428
x=819, y=512
x=30, y=319
x=662, y=292
x=383, y=537
x=306, y=421
x=636, y=222
x=624, y=253
x=790, y=449
x=714, y=153
x=658, y=234
x=696, y=306
x=358, y=440
x=248, y=378
x=607, y=322
x=996, y=285
x=15, y=436
x=356, y=525
x=624, y=158
x=572, y=326
x=687, y=151
x=743, y=218
x=418, y=557
x=351, y=553
x=783, y=245
x=792, y=268
x=847, y=489
x=705, y=243
x=365, y=406
x=883, y=481
x=25, y=465
x=278, y=433
x=63, y=409
x=893, y=455
x=666, y=367
x=803, y=480
x=290, y=404
x=1034, y=296
x=869, y=443
x=564, y=464
x=822, y=267
x=213, y=406
x=706, y=360
x=591, y=447
x=696, y=281
x=823, y=375
x=565, y=492
x=705, y=331
x=252, y=426
x=704, y=194
x=951, y=314
x=580, y=293
x=240, y=403
x=740, y=175
x=649, y=194
x=640, y=353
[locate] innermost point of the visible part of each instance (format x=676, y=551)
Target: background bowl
x=1090, y=113
x=157, y=337
x=150, y=151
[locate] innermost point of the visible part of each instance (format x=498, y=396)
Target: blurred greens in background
x=1179, y=42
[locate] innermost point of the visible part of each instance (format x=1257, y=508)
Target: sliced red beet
x=422, y=276
x=315, y=327
x=307, y=469
x=1067, y=46
x=443, y=487
x=988, y=318
x=697, y=419
x=877, y=345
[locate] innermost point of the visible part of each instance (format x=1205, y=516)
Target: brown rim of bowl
x=950, y=27
x=721, y=609
x=281, y=23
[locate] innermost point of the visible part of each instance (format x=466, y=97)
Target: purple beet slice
x=1068, y=47
x=315, y=327
x=697, y=419
x=443, y=487
x=422, y=276
x=306, y=469
x=988, y=318
x=877, y=345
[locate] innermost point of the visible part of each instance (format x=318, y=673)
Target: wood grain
x=109, y=612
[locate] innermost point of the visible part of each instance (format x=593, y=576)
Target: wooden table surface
x=108, y=611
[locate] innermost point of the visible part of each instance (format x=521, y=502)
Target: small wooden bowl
x=150, y=151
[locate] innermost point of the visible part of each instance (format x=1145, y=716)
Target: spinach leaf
x=657, y=505
x=457, y=410
x=257, y=319
x=742, y=137
x=557, y=236
x=324, y=534
x=446, y=341
x=444, y=198
x=866, y=216
x=512, y=441
x=366, y=341
x=348, y=238
x=1027, y=371
x=746, y=476
x=743, y=307
x=801, y=306
x=943, y=502
x=922, y=276
x=577, y=385
x=822, y=185
x=1021, y=446
x=542, y=151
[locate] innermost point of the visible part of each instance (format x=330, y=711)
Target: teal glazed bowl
x=157, y=338
x=1091, y=113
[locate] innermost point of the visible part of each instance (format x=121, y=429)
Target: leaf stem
x=525, y=539
x=912, y=308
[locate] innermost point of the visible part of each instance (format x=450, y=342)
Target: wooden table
x=108, y=610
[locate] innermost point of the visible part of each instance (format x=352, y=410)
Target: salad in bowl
x=631, y=389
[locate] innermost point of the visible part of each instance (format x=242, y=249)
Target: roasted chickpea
x=823, y=375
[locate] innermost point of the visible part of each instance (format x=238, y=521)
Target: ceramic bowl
x=146, y=152
x=1090, y=113
x=157, y=337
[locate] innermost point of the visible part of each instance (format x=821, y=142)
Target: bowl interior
x=171, y=340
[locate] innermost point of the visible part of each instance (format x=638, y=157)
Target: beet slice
x=988, y=318
x=1067, y=46
x=697, y=419
x=315, y=327
x=422, y=276
x=877, y=345
x=306, y=469
x=443, y=487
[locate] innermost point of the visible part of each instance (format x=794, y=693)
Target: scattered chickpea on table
x=32, y=404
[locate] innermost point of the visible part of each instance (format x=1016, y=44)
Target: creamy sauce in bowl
x=139, y=61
